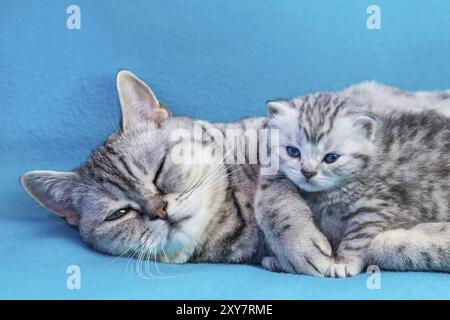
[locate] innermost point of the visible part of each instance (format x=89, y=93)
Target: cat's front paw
x=316, y=265
x=313, y=256
x=344, y=269
x=271, y=264
x=313, y=259
x=318, y=255
x=320, y=245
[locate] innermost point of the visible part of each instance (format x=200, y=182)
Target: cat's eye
x=157, y=174
x=118, y=214
x=331, y=157
x=293, y=152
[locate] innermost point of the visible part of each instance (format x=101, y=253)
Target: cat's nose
x=308, y=174
x=155, y=208
x=161, y=211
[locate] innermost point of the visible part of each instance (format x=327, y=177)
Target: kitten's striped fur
x=385, y=201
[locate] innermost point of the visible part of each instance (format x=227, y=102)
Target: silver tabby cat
x=359, y=184
x=130, y=198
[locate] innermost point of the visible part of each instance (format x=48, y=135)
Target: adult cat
x=131, y=197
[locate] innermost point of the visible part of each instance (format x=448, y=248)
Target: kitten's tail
x=425, y=247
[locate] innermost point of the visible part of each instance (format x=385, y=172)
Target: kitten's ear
x=278, y=107
x=138, y=102
x=53, y=190
x=367, y=124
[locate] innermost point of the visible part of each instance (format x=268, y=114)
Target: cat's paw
x=321, y=245
x=271, y=264
x=316, y=265
x=313, y=259
x=344, y=269
x=318, y=255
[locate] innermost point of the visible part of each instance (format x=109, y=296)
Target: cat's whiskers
x=206, y=178
x=145, y=247
x=119, y=256
x=190, y=189
x=147, y=257
x=136, y=257
x=167, y=257
x=221, y=179
x=187, y=188
x=151, y=252
x=140, y=248
x=132, y=257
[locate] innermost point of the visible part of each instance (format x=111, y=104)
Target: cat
x=381, y=99
x=131, y=198
x=364, y=180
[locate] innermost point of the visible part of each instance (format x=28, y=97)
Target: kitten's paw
x=318, y=257
x=321, y=245
x=316, y=265
x=344, y=270
x=313, y=257
x=271, y=264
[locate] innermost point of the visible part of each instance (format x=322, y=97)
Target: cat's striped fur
x=214, y=220
x=385, y=201
x=171, y=212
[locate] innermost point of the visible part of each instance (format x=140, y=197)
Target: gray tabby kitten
x=359, y=184
x=130, y=198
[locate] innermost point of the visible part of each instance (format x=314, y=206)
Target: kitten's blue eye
x=331, y=157
x=293, y=152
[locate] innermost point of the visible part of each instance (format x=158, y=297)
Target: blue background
x=214, y=60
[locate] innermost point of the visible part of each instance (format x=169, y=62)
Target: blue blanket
x=214, y=60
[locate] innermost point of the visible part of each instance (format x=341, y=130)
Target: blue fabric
x=214, y=60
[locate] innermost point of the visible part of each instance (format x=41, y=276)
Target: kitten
x=131, y=198
x=382, y=99
x=377, y=186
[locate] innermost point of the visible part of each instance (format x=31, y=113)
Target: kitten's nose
x=309, y=174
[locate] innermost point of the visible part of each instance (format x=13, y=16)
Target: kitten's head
x=325, y=139
x=130, y=195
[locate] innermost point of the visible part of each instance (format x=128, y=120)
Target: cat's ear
x=138, y=102
x=367, y=125
x=278, y=107
x=53, y=190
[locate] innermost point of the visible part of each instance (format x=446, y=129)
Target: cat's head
x=325, y=139
x=131, y=195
